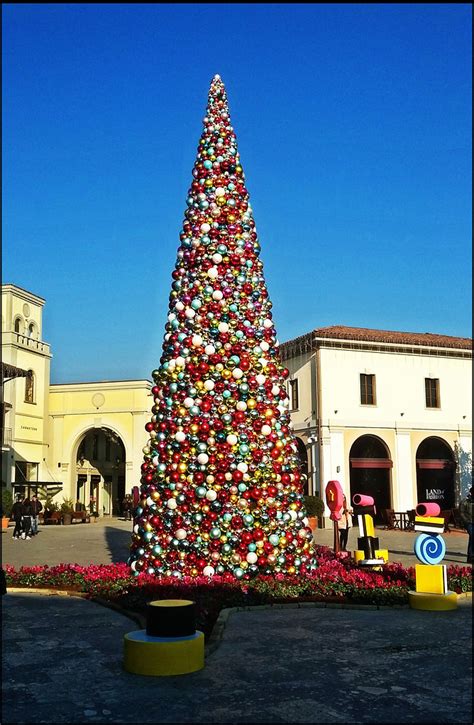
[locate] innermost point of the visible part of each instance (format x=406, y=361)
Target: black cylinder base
x=171, y=618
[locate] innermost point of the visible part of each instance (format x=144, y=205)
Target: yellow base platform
x=161, y=656
x=433, y=602
x=381, y=557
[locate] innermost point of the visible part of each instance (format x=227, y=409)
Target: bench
x=55, y=517
x=82, y=516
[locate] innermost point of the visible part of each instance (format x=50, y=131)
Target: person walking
x=127, y=505
x=36, y=507
x=26, y=519
x=344, y=524
x=466, y=513
x=17, y=516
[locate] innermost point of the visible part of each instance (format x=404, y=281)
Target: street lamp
x=313, y=440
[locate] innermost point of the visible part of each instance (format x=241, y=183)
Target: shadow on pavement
x=118, y=543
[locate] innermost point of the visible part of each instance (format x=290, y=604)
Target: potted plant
x=7, y=503
x=314, y=510
x=67, y=509
x=50, y=506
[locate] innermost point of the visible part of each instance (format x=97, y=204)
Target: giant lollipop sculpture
x=220, y=490
x=431, y=592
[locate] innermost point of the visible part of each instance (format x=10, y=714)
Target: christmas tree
x=221, y=491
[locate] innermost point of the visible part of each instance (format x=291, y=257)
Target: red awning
x=434, y=464
x=371, y=463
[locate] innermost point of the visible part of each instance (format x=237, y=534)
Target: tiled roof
x=341, y=332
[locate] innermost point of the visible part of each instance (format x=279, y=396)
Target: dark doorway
x=303, y=456
x=435, y=472
x=81, y=489
x=120, y=495
x=370, y=467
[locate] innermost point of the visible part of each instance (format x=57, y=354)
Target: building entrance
x=100, y=467
x=370, y=472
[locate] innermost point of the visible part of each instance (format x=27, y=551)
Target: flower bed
x=337, y=579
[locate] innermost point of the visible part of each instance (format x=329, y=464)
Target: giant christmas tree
x=220, y=491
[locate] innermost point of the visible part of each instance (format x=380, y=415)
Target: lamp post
x=313, y=441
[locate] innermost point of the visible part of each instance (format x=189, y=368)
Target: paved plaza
x=62, y=655
x=108, y=540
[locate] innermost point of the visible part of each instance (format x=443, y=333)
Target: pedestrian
x=344, y=524
x=127, y=505
x=17, y=516
x=465, y=510
x=79, y=506
x=26, y=519
x=36, y=507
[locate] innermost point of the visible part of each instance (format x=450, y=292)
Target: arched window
x=30, y=387
x=18, y=324
x=31, y=329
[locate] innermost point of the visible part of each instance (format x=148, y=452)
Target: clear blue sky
x=353, y=124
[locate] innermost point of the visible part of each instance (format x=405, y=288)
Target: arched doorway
x=435, y=472
x=303, y=456
x=100, y=468
x=370, y=466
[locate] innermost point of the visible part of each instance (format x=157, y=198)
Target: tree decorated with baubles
x=221, y=491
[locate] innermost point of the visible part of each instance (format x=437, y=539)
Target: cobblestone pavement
x=62, y=663
x=62, y=656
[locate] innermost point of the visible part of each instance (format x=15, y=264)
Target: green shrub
x=314, y=505
x=50, y=505
x=67, y=507
x=7, y=502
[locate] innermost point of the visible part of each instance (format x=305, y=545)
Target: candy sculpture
x=431, y=578
x=170, y=644
x=334, y=501
x=368, y=552
x=221, y=490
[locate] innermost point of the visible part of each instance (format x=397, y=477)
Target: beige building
x=387, y=414
x=73, y=440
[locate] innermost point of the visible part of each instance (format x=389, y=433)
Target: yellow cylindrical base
x=433, y=602
x=161, y=656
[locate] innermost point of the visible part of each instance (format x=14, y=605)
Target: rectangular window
x=367, y=389
x=30, y=387
x=294, y=396
x=432, y=392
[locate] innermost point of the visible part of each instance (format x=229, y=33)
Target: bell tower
x=26, y=360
